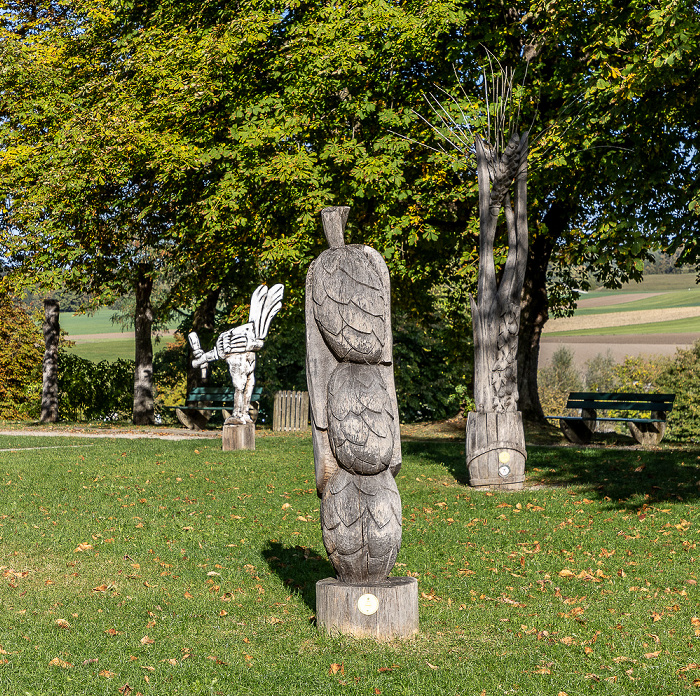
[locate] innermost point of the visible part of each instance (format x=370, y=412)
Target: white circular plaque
x=504, y=457
x=368, y=604
x=503, y=470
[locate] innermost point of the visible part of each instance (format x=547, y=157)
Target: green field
x=691, y=325
x=174, y=568
x=662, y=282
x=108, y=349
x=678, y=298
x=111, y=347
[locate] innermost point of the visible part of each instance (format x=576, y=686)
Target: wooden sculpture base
x=238, y=437
x=383, y=611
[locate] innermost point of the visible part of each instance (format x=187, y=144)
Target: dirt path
x=585, y=348
x=119, y=433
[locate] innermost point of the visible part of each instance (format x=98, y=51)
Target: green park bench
x=645, y=430
x=202, y=402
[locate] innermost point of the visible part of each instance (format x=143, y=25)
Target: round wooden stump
x=496, y=450
x=238, y=437
x=383, y=611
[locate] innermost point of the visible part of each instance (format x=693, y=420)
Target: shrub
x=556, y=381
x=600, y=373
x=94, y=391
x=21, y=357
x=681, y=376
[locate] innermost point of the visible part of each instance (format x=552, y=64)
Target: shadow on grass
x=299, y=568
x=630, y=478
x=448, y=453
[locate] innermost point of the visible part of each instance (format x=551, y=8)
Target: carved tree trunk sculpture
x=143, y=411
x=355, y=419
x=495, y=438
x=49, y=394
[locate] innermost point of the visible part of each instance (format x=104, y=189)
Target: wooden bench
x=202, y=402
x=646, y=431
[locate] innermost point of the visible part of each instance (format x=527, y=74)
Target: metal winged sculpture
x=238, y=347
x=355, y=419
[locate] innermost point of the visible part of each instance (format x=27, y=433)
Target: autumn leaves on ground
x=174, y=568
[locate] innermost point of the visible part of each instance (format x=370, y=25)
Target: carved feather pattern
x=360, y=418
x=349, y=304
x=361, y=523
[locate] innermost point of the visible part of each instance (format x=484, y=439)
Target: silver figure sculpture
x=238, y=347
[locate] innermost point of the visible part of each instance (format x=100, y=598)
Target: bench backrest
x=621, y=401
x=218, y=394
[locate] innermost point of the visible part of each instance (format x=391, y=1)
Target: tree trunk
x=534, y=310
x=49, y=394
x=143, y=413
x=203, y=324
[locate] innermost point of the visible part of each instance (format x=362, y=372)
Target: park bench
x=202, y=402
x=646, y=431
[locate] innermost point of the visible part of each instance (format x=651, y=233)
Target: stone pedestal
x=238, y=437
x=383, y=611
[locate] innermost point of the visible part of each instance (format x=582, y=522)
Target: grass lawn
x=154, y=567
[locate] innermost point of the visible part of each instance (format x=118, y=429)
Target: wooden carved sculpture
x=355, y=420
x=238, y=347
x=495, y=438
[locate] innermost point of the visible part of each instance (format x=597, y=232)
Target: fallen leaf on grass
x=655, y=616
x=147, y=641
x=91, y=661
x=107, y=674
x=389, y=669
x=113, y=632
x=221, y=662
x=432, y=666
x=58, y=662
x=125, y=690
x=567, y=640
x=100, y=588
x=651, y=655
x=335, y=668
x=82, y=547
x=188, y=595
x=566, y=573
x=62, y=623
x=588, y=650
x=148, y=667
x=171, y=661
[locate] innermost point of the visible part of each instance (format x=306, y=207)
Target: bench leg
x=579, y=431
x=648, y=433
x=191, y=418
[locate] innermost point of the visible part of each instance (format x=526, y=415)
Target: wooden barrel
x=290, y=411
x=496, y=450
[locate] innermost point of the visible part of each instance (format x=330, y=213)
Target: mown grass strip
x=676, y=326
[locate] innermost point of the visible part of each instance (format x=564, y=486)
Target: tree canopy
x=196, y=142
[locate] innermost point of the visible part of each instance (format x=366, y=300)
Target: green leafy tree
x=21, y=355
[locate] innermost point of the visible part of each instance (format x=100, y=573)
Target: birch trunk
x=143, y=412
x=49, y=393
